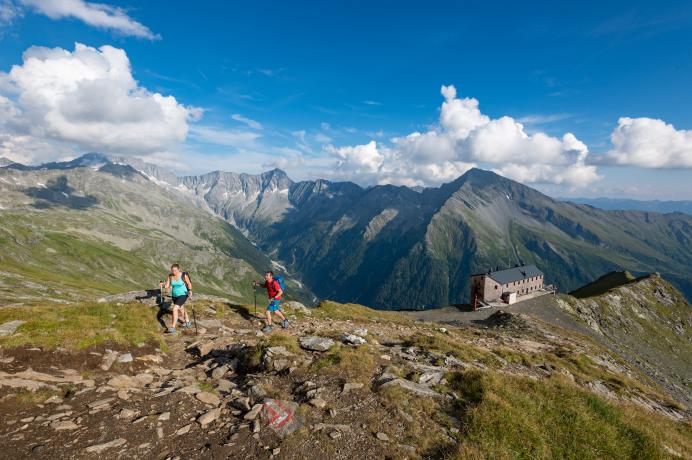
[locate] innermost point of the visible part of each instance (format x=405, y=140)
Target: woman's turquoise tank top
x=178, y=287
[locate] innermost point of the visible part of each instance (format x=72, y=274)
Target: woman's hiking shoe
x=284, y=323
x=170, y=330
x=267, y=328
x=187, y=325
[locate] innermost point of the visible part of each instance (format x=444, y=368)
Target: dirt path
x=542, y=308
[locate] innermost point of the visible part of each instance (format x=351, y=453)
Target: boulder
x=205, y=348
x=316, y=343
x=413, y=387
x=100, y=402
x=220, y=371
x=31, y=385
x=389, y=373
x=281, y=416
x=278, y=351
x=208, y=417
x=184, y=430
x=453, y=361
x=210, y=323
x=431, y=378
x=277, y=359
x=353, y=339
x=59, y=415
x=128, y=414
x=254, y=412
x=351, y=386
x=294, y=306
x=108, y=359
x=98, y=448
x=9, y=327
x=64, y=425
x=225, y=385
x=430, y=375
x=30, y=374
x=121, y=382
x=125, y=358
x=190, y=389
x=257, y=391
x=318, y=403
x=382, y=436
x=241, y=403
x=330, y=426
x=208, y=398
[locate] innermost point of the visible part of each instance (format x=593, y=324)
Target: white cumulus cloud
x=464, y=138
x=650, y=143
x=95, y=14
x=87, y=98
x=361, y=158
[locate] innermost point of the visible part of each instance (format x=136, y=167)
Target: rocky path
x=233, y=392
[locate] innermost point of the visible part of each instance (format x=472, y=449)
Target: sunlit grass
x=79, y=326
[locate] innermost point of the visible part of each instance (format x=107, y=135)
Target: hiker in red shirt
x=274, y=292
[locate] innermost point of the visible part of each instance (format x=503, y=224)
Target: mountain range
x=394, y=247
x=91, y=227
x=615, y=204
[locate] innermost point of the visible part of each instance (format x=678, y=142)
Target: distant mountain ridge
x=92, y=226
x=615, y=204
x=424, y=243
x=394, y=247
x=97, y=160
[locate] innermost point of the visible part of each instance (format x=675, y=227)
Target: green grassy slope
x=603, y=284
x=83, y=233
x=421, y=256
x=571, y=244
x=647, y=321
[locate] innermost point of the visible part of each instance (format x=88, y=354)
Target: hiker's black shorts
x=180, y=300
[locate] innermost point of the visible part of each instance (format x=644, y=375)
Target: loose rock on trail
x=232, y=392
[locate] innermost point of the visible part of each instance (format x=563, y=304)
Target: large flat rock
x=413, y=387
x=10, y=327
x=316, y=343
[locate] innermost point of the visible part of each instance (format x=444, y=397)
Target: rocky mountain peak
x=92, y=157
x=5, y=162
x=276, y=179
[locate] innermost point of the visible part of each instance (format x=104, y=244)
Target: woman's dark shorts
x=180, y=300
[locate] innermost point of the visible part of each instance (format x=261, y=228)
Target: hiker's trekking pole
x=161, y=293
x=194, y=318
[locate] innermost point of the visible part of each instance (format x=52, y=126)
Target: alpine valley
x=119, y=221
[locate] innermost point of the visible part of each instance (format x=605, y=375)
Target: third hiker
x=274, y=292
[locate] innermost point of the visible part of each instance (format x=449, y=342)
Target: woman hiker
x=181, y=291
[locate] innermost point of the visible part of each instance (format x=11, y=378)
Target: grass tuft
x=347, y=363
x=513, y=417
x=79, y=326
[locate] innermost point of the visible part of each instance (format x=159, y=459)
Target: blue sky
x=330, y=90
